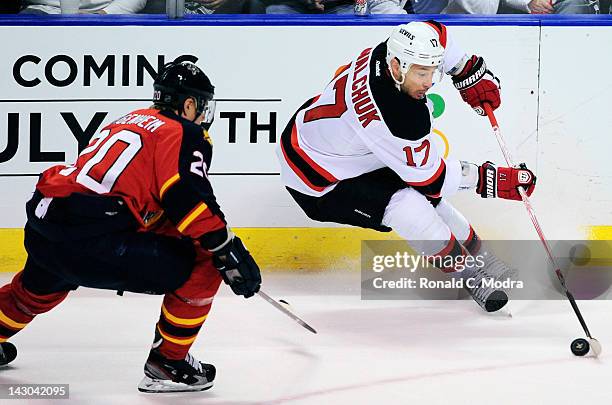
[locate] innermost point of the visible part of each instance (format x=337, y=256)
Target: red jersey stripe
x=297, y=171
x=433, y=178
x=296, y=146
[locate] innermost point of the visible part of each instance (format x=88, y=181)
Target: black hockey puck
x=284, y=302
x=580, y=347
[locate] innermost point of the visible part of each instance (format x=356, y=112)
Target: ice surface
x=366, y=352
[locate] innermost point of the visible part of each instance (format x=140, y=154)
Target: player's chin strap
x=397, y=82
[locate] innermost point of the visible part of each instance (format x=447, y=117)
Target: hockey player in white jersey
x=361, y=152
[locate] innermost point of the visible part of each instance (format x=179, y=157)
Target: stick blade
x=285, y=310
x=595, y=347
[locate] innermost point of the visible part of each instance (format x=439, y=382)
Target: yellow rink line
x=12, y=253
x=599, y=232
x=275, y=249
x=278, y=249
x=601, y=252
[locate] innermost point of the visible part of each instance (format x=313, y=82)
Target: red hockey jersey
x=156, y=161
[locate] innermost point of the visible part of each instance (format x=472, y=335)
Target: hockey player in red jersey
x=136, y=212
x=361, y=154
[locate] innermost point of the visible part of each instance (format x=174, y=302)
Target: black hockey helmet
x=181, y=79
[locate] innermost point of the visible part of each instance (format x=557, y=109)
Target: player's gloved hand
x=503, y=182
x=477, y=85
x=238, y=268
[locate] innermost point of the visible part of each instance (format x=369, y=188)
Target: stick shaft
x=285, y=311
x=534, y=220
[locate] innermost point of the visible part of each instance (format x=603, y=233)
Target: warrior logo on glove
x=525, y=176
x=503, y=182
x=477, y=85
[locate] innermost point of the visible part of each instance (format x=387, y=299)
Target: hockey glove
x=238, y=268
x=503, y=182
x=477, y=85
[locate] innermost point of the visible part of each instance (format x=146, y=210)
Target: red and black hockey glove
x=503, y=182
x=477, y=85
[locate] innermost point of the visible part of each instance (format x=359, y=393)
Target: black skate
x=8, y=353
x=482, y=280
x=165, y=375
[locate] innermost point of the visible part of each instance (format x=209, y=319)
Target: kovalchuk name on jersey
x=361, y=123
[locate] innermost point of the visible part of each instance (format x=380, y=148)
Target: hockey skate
x=165, y=375
x=482, y=280
x=8, y=353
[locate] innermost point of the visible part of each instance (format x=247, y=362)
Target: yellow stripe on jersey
x=191, y=217
x=183, y=321
x=182, y=342
x=207, y=137
x=8, y=321
x=168, y=184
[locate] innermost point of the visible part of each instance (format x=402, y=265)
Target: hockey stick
x=534, y=220
x=285, y=311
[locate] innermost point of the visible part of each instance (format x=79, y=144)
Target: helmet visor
x=425, y=74
x=438, y=75
x=208, y=112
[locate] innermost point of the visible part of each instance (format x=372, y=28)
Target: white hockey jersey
x=361, y=123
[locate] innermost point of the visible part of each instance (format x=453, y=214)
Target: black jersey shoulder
x=193, y=138
x=193, y=185
x=406, y=118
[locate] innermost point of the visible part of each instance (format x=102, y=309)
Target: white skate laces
x=193, y=362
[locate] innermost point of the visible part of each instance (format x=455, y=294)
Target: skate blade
x=152, y=385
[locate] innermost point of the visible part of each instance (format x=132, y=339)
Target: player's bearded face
x=419, y=80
